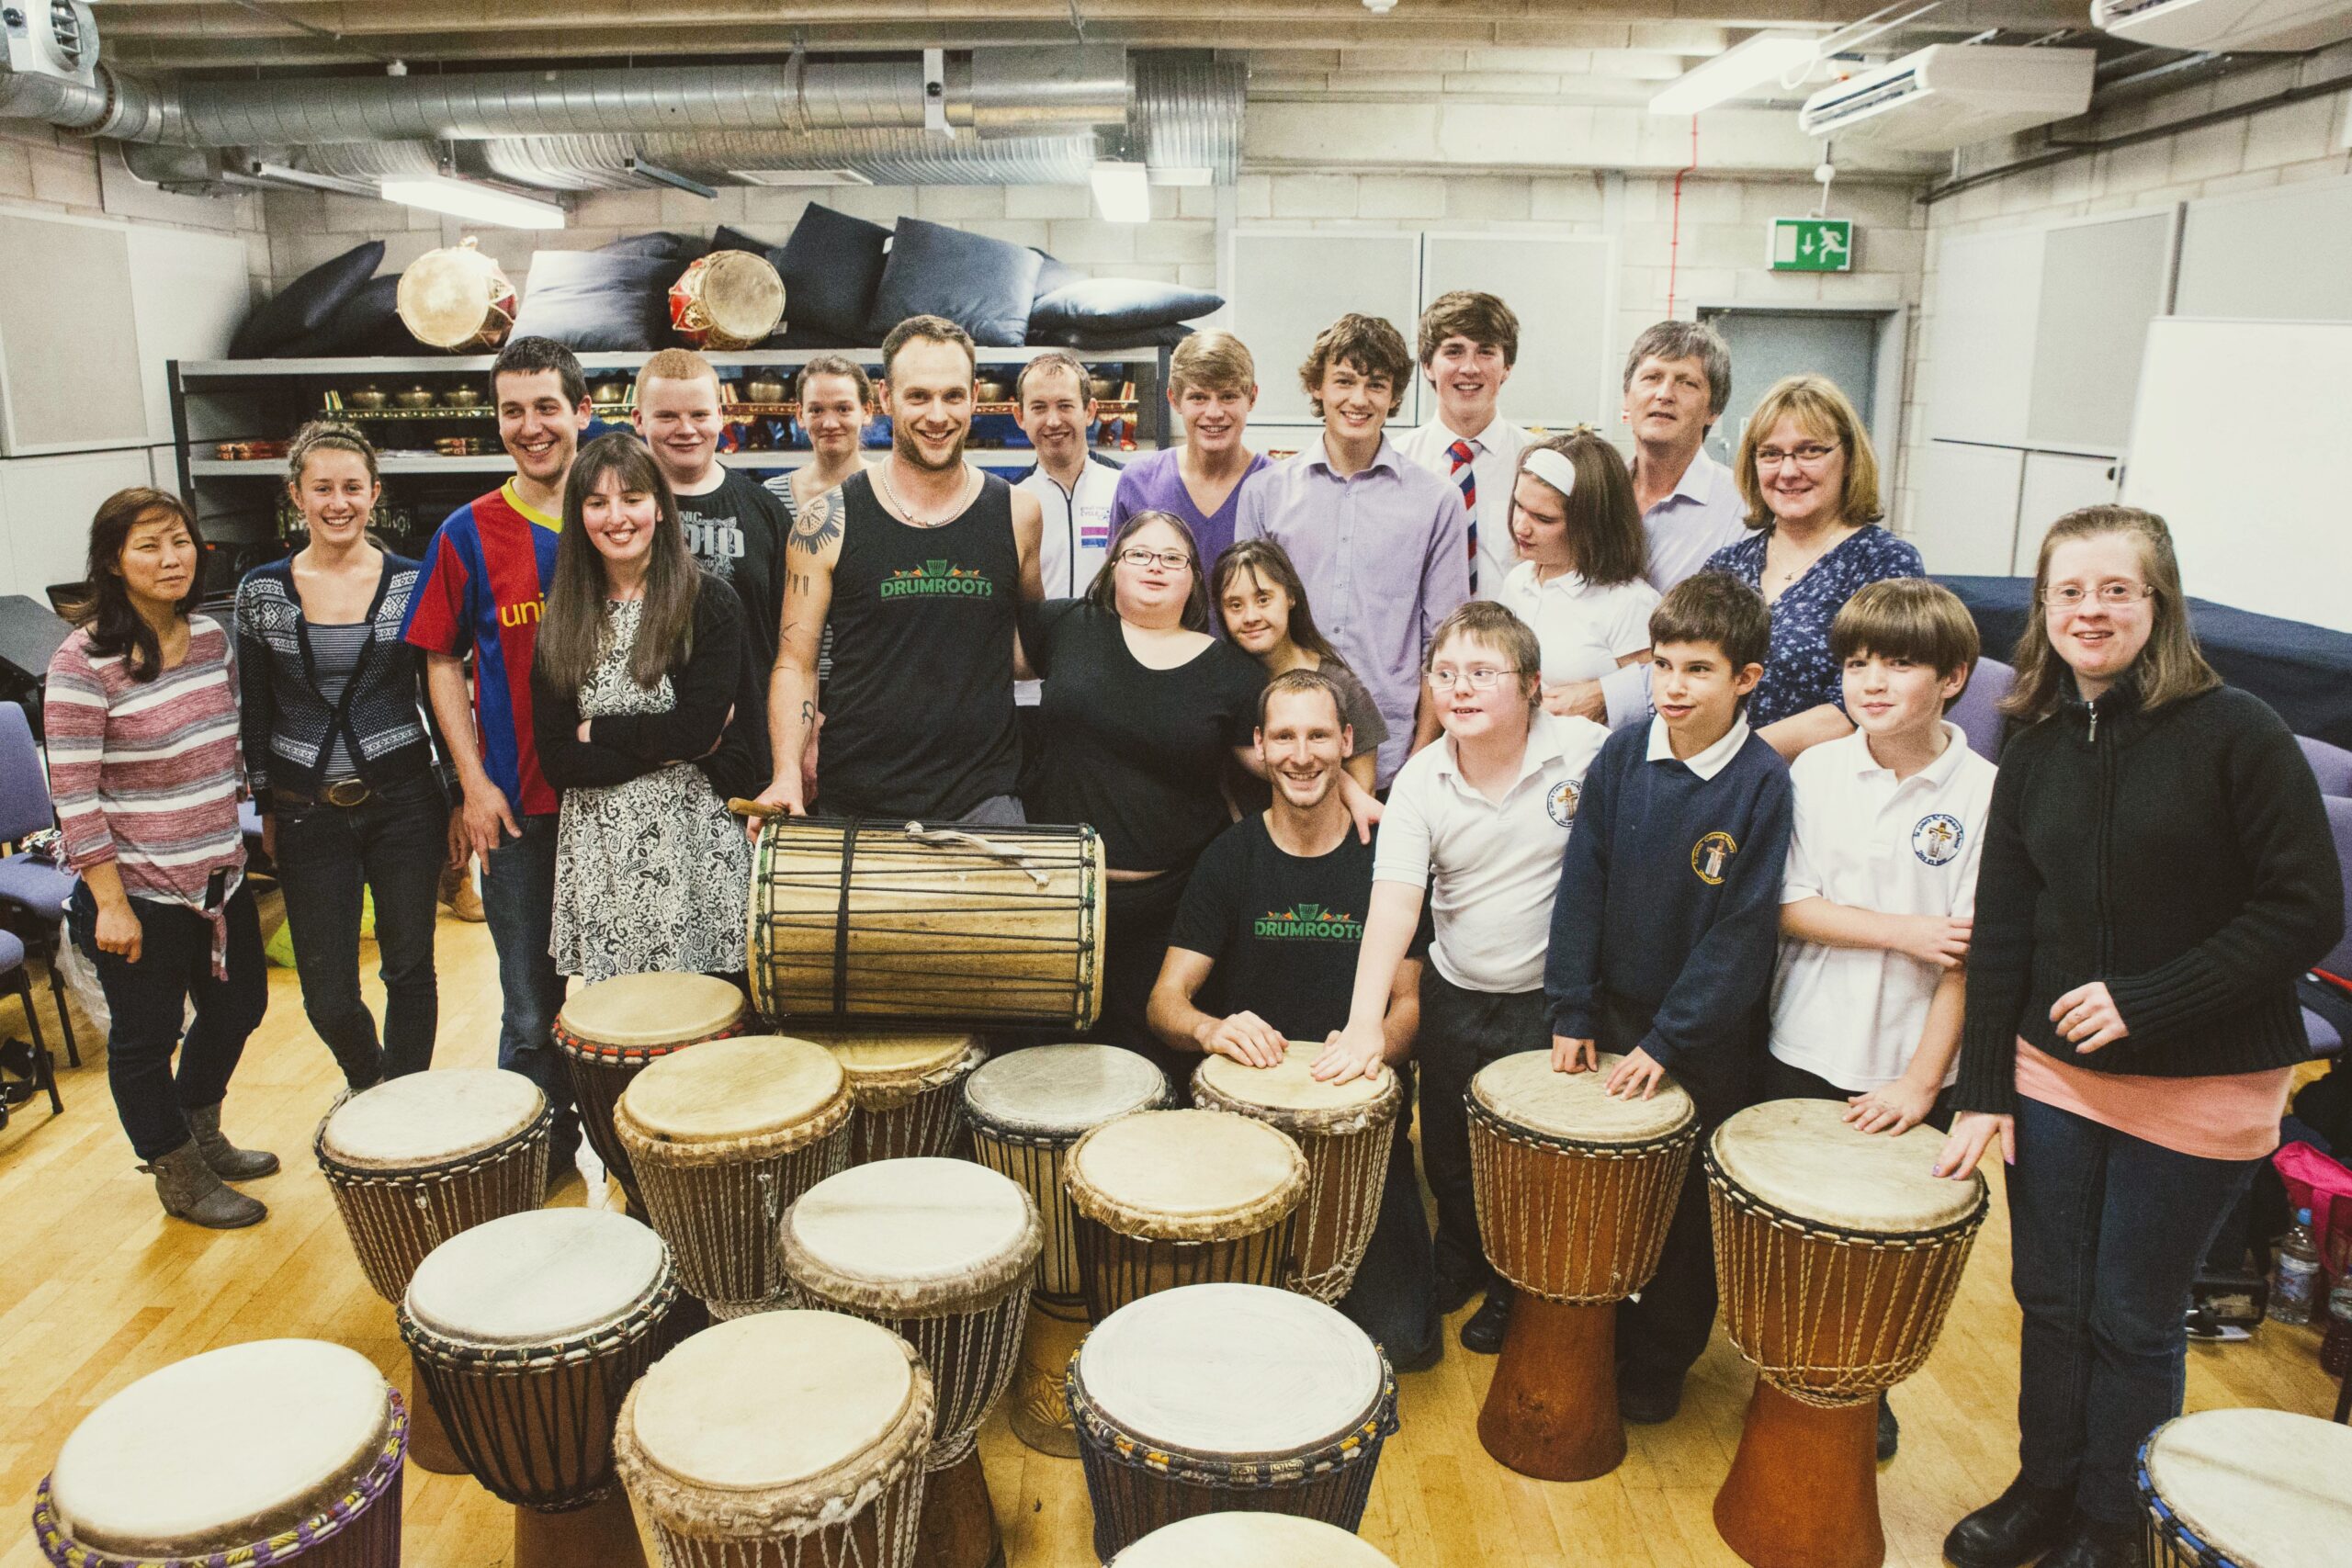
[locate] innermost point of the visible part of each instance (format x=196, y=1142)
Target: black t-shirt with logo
x=737, y=533
x=1283, y=930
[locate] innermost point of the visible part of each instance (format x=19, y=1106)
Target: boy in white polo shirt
x=1479, y=820
x=1881, y=889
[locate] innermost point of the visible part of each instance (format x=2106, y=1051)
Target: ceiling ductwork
x=881, y=157
x=1188, y=112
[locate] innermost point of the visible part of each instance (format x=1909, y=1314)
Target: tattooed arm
x=810, y=553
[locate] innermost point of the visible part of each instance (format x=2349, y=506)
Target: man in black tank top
x=920, y=566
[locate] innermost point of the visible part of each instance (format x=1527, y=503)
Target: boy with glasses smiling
x=1479, y=820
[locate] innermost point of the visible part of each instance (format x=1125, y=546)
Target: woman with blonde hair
x=1810, y=478
x=1582, y=554
x=2157, y=870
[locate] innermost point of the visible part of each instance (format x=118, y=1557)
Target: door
x=1768, y=344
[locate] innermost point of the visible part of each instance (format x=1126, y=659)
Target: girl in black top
x=1141, y=711
x=2157, y=870
x=336, y=745
x=641, y=694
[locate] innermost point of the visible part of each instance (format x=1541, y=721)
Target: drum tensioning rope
x=1637, y=1193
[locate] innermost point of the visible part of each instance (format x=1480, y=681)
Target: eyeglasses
x=2069, y=596
x=1480, y=680
x=1136, y=555
x=1809, y=455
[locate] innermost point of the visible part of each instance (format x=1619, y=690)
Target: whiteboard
x=2250, y=479
x=1289, y=283
x=2272, y=255
x=1563, y=289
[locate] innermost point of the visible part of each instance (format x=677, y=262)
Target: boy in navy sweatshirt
x=1665, y=930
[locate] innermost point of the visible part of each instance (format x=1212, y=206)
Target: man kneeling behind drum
x=1269, y=928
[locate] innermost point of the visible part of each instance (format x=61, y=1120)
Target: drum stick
x=741, y=807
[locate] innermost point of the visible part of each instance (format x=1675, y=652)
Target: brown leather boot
x=191, y=1191
x=229, y=1162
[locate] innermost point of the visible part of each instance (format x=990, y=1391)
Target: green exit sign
x=1813, y=244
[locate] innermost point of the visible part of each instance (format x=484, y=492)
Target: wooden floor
x=97, y=1288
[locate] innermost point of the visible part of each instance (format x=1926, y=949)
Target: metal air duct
x=884, y=157
x=1188, y=112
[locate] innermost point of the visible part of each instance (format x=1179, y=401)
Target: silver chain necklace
x=963, y=500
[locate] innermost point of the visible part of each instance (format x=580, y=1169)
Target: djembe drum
x=727, y=300
x=1575, y=1188
x=941, y=1252
x=417, y=1159
x=456, y=298
x=1213, y=1397
x=529, y=1332
x=152, y=1479
x=858, y=923
x=1342, y=1129
x=1251, y=1541
x=1025, y=1109
x=724, y=1138
x=1837, y=1253
x=610, y=1030
x=2247, y=1489
x=1170, y=1198
x=906, y=1098
x=788, y=1439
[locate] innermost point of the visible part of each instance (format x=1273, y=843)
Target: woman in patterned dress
x=1810, y=478
x=640, y=691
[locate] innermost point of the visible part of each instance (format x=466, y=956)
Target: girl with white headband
x=1579, y=583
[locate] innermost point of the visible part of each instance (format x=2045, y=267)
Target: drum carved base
x=428, y=1441
x=1552, y=1410
x=1804, y=1491
x=603, y=1534
x=959, y=1528
x=1035, y=1405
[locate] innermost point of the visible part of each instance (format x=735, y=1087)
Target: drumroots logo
x=939, y=578
x=1309, y=922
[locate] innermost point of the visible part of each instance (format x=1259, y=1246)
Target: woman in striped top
x=141, y=720
x=341, y=760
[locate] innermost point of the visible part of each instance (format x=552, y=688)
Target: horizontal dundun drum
x=788, y=1439
x=728, y=300
x=905, y=1090
x=456, y=298
x=1575, y=1190
x=1838, y=1254
x=1214, y=1397
x=529, y=1332
x=1169, y=1198
x=859, y=922
x=2247, y=1489
x=725, y=1138
x=1251, y=1541
x=269, y=1452
x=941, y=1253
x=1342, y=1129
x=1025, y=1109
x=609, y=1031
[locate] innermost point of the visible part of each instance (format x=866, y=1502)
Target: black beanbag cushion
x=725, y=238
x=304, y=305
x=1168, y=337
x=831, y=267
x=1053, y=273
x=368, y=323
x=982, y=285
x=1102, y=306
x=681, y=248
x=598, y=300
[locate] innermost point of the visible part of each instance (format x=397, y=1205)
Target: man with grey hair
x=1678, y=380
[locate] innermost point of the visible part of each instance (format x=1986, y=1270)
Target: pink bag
x=2325, y=1187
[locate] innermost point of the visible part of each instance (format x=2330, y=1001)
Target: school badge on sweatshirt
x=1711, y=855
x=1561, y=801
x=1936, y=839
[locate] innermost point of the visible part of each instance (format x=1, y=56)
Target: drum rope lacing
x=1115, y=1268
x=354, y=1509
x=1546, y=1227
x=971, y=1355
x=392, y=1239
x=703, y=1212
x=1779, y=1295
x=1359, y=1445
x=534, y=1423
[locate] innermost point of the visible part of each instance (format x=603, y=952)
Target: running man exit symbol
x=1813, y=244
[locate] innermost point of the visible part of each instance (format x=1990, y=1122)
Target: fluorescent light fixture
x=1182, y=174
x=671, y=177
x=800, y=177
x=1767, y=57
x=263, y=173
x=482, y=204
x=1122, y=192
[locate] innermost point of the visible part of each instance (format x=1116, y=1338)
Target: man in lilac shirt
x=1211, y=386
x=1380, y=543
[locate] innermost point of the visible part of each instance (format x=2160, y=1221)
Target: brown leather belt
x=344, y=793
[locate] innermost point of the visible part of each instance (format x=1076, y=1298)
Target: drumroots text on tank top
x=919, y=717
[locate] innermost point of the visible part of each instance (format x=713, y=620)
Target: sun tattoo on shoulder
x=818, y=523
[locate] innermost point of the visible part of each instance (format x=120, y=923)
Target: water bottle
x=2295, y=1278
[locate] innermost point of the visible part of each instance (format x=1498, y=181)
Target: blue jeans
x=518, y=904
x=391, y=845
x=149, y=998
x=2105, y=1234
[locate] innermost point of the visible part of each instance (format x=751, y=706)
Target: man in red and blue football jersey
x=483, y=582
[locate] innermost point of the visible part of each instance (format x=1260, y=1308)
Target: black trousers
x=1136, y=919
x=1782, y=1081
x=1462, y=1031
x=1393, y=1298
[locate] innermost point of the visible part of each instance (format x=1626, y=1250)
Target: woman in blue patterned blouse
x=1810, y=479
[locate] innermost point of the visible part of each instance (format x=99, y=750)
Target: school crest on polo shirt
x=1937, y=839
x=1710, y=856
x=1562, y=799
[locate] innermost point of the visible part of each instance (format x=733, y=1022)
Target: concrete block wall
x=46, y=168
